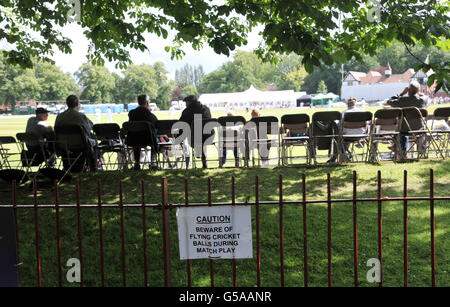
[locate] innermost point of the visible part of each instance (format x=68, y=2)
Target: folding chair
x=419, y=135
x=294, y=132
x=167, y=146
x=440, y=129
x=139, y=134
x=385, y=130
x=11, y=168
x=325, y=134
x=354, y=133
x=263, y=133
x=7, y=146
x=73, y=146
x=231, y=136
x=34, y=153
x=110, y=143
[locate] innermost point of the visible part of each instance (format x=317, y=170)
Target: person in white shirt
x=98, y=115
x=109, y=115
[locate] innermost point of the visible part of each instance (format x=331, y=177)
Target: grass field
x=392, y=174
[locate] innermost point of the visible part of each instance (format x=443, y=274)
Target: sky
x=206, y=57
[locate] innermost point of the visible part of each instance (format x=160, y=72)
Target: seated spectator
x=143, y=113
x=38, y=126
x=193, y=107
x=72, y=116
x=410, y=97
x=351, y=107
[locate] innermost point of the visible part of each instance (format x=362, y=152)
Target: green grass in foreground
x=392, y=174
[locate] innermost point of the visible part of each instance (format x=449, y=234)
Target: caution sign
x=215, y=232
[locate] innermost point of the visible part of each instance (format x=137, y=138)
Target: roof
x=378, y=75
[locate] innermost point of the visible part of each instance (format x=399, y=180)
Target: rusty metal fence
x=165, y=206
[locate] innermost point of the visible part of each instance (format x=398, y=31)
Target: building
x=380, y=83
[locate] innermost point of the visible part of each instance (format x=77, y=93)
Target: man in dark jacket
x=143, y=113
x=193, y=107
x=73, y=116
x=413, y=99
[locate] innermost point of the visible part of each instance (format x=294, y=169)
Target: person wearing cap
x=38, y=126
x=193, y=107
x=410, y=97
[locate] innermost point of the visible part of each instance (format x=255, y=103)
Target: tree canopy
x=322, y=32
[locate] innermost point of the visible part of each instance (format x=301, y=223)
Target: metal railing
x=165, y=207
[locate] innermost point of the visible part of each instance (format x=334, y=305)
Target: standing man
x=72, y=116
x=193, y=106
x=143, y=113
x=410, y=97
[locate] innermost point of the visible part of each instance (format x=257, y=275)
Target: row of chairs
x=377, y=138
x=297, y=139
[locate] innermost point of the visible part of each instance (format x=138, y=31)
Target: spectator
x=143, y=113
x=410, y=97
x=109, y=118
x=193, y=107
x=72, y=116
x=98, y=115
x=38, y=126
x=230, y=136
x=351, y=107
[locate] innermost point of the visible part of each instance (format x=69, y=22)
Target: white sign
x=215, y=232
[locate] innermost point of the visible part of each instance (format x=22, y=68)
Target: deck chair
x=8, y=146
x=294, y=132
x=354, y=132
x=263, y=134
x=440, y=129
x=73, y=146
x=34, y=153
x=171, y=152
x=11, y=168
x=199, y=146
x=231, y=136
x=419, y=135
x=385, y=130
x=109, y=144
x=325, y=134
x=139, y=135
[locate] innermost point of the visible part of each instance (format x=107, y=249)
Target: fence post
x=58, y=232
x=36, y=232
x=80, y=244
x=165, y=222
x=280, y=189
x=258, y=247
x=355, y=232
x=144, y=234
x=330, y=283
x=188, y=263
x=405, y=228
x=380, y=229
x=432, y=226
x=305, y=236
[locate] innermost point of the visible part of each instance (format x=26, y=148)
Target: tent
x=305, y=99
x=251, y=96
x=319, y=99
x=331, y=96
